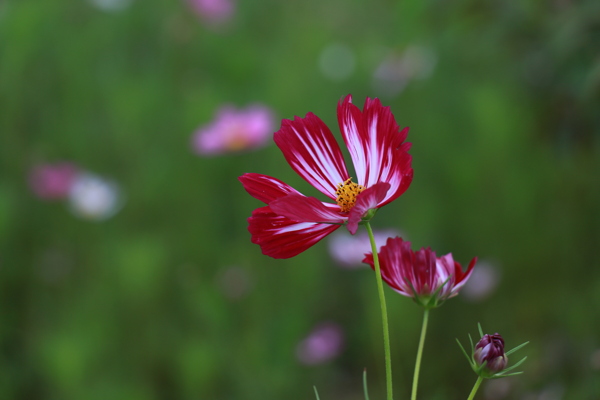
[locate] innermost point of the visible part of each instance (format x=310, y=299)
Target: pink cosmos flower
x=235, y=130
x=322, y=344
x=292, y=222
x=429, y=280
x=213, y=11
x=52, y=181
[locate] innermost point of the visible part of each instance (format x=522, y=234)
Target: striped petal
x=306, y=209
x=280, y=237
x=311, y=150
x=459, y=278
x=376, y=146
x=366, y=200
x=265, y=188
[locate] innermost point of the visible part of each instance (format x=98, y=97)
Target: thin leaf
x=471, y=341
x=316, y=393
x=465, y=352
x=516, y=348
x=365, y=384
x=515, y=365
x=480, y=330
x=504, y=376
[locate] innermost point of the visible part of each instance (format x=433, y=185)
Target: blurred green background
x=504, y=111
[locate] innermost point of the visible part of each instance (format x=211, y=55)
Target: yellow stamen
x=346, y=194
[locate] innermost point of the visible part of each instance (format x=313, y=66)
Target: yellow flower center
x=346, y=194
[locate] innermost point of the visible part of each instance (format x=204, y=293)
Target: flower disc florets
x=346, y=194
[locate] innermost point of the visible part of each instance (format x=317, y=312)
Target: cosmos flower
x=292, y=222
x=235, y=130
x=52, y=181
x=420, y=274
x=322, y=344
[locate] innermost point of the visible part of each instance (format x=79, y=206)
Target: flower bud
x=490, y=350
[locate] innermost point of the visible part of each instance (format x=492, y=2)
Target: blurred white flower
x=484, y=280
x=398, y=69
x=111, y=5
x=95, y=198
x=323, y=343
x=349, y=250
x=337, y=62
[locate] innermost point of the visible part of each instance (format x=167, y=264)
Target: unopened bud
x=490, y=350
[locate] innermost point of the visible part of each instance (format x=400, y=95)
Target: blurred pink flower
x=323, y=343
x=235, y=130
x=213, y=11
x=482, y=283
x=349, y=251
x=52, y=181
x=397, y=70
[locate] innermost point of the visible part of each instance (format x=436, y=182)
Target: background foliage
x=506, y=142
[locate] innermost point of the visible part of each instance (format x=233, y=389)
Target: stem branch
x=477, y=383
x=419, y=355
x=384, y=319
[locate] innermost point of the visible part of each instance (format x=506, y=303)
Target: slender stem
x=419, y=355
x=477, y=383
x=384, y=318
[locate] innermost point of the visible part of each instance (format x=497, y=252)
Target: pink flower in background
x=323, y=343
x=213, y=11
x=428, y=279
x=397, y=70
x=482, y=282
x=235, y=130
x=52, y=181
x=349, y=251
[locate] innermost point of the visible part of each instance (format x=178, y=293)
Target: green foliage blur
x=506, y=144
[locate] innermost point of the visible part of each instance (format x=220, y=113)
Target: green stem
x=419, y=354
x=384, y=319
x=477, y=383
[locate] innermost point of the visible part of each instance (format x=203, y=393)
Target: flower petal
x=306, y=209
x=280, y=237
x=462, y=277
x=395, y=261
x=311, y=150
x=365, y=201
x=265, y=188
x=376, y=146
